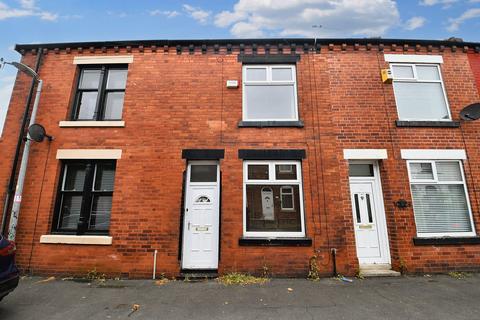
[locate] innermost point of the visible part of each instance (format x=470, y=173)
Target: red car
x=9, y=274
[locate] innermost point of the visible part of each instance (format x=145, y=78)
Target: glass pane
x=203, y=173
x=420, y=101
x=449, y=171
x=264, y=209
x=100, y=215
x=258, y=172
x=282, y=74
x=357, y=208
x=441, y=208
x=89, y=79
x=286, y=172
x=360, y=170
x=256, y=74
x=105, y=177
x=69, y=211
x=369, y=209
x=114, y=105
x=88, y=102
x=428, y=73
x=286, y=200
x=421, y=171
x=270, y=102
x=402, y=72
x=74, y=177
x=117, y=79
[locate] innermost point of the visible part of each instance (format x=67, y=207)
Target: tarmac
x=408, y=297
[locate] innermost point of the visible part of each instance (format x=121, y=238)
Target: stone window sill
x=445, y=241
x=91, y=124
x=271, y=124
x=275, y=242
x=73, y=239
x=428, y=124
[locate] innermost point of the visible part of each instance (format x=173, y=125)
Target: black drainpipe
x=21, y=134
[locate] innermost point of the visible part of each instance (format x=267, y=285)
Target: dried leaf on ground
x=242, y=279
x=46, y=280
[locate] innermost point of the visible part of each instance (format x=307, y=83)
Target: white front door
x=368, y=214
x=201, y=216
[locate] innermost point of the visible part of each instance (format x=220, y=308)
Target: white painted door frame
x=201, y=221
x=380, y=217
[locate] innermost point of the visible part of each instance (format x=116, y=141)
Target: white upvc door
x=201, y=216
x=369, y=220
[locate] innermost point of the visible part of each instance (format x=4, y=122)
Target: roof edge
x=271, y=41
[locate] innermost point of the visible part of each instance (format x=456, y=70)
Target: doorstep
x=198, y=275
x=377, y=270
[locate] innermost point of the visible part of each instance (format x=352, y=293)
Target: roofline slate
x=220, y=42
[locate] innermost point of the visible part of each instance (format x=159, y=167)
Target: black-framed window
x=100, y=93
x=84, y=200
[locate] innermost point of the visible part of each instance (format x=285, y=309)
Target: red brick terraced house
x=260, y=155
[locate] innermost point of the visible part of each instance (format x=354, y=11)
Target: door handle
x=188, y=225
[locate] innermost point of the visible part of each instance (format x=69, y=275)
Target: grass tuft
x=458, y=275
x=241, y=279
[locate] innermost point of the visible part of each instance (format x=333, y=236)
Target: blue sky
x=34, y=21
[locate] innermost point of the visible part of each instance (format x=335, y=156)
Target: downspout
x=21, y=134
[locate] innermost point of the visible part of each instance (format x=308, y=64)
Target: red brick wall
x=474, y=59
x=175, y=102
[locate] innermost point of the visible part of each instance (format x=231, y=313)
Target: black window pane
x=258, y=171
x=286, y=172
x=86, y=105
x=203, y=173
x=100, y=215
x=74, y=177
x=117, y=79
x=69, y=211
x=361, y=170
x=89, y=79
x=105, y=177
x=114, y=105
x=264, y=209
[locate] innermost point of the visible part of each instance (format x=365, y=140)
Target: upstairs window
x=419, y=92
x=100, y=93
x=269, y=93
x=84, y=201
x=440, y=198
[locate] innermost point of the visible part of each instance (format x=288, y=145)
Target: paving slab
x=433, y=297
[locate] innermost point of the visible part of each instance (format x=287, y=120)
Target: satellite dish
x=37, y=133
x=471, y=112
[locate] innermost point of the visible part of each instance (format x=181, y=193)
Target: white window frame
x=416, y=80
x=436, y=181
x=273, y=181
x=269, y=82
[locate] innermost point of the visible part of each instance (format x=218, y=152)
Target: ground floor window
x=84, y=200
x=273, y=199
x=440, y=198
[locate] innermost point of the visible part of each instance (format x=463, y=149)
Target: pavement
x=421, y=297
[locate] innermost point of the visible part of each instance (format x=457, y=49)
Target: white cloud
x=444, y=3
x=27, y=8
x=28, y=4
x=167, y=13
x=467, y=15
x=254, y=18
x=45, y=15
x=415, y=23
x=197, y=13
